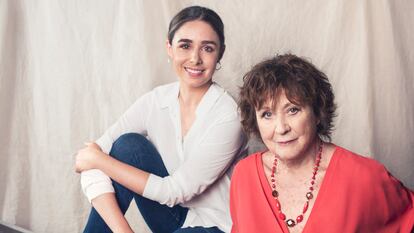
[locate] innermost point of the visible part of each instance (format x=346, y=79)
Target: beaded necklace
x=309, y=195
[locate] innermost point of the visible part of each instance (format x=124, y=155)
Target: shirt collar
x=209, y=99
x=170, y=98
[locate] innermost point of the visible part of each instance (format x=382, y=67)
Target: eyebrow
x=267, y=107
x=202, y=42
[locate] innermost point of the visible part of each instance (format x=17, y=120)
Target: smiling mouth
x=287, y=142
x=193, y=71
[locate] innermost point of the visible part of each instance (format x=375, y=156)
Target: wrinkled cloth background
x=70, y=68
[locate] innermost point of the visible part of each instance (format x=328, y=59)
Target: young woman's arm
x=105, y=204
x=131, y=177
x=108, y=209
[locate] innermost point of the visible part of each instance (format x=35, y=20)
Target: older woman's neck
x=302, y=162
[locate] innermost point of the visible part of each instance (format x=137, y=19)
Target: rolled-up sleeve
x=94, y=183
x=204, y=165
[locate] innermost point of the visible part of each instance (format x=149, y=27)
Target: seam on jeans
x=176, y=216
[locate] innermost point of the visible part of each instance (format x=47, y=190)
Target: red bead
x=273, y=186
x=278, y=207
x=312, y=182
x=299, y=218
x=282, y=216
x=275, y=193
x=305, y=208
x=311, y=188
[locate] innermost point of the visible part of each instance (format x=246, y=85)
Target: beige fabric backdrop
x=69, y=68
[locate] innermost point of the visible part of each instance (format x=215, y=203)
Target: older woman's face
x=288, y=130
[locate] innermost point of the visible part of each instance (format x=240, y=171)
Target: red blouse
x=357, y=195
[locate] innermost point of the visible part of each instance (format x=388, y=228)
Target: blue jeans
x=135, y=150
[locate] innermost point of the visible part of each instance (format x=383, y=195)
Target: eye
x=208, y=49
x=267, y=114
x=293, y=110
x=184, y=46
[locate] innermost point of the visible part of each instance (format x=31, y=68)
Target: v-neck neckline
x=272, y=202
x=206, y=103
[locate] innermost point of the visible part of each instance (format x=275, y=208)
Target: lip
x=286, y=142
x=194, y=72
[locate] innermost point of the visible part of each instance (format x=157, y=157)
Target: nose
x=195, y=57
x=281, y=125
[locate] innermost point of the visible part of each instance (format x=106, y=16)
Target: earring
x=218, y=66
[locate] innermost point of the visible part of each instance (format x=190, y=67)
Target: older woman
x=302, y=182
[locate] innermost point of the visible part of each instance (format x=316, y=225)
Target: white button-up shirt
x=196, y=162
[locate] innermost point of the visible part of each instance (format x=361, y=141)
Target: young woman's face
x=289, y=130
x=194, y=53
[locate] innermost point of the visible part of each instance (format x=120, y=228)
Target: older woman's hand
x=87, y=157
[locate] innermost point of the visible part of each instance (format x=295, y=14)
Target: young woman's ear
x=169, y=48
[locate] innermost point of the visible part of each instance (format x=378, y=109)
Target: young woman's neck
x=191, y=96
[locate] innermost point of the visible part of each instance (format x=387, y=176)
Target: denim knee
x=129, y=145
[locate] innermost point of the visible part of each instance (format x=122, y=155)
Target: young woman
x=171, y=149
x=302, y=182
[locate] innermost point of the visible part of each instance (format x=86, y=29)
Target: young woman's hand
x=86, y=158
x=93, y=145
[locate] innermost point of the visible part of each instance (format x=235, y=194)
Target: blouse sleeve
x=380, y=203
x=392, y=203
x=94, y=182
x=222, y=142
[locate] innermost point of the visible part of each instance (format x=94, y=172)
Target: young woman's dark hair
x=302, y=82
x=198, y=13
